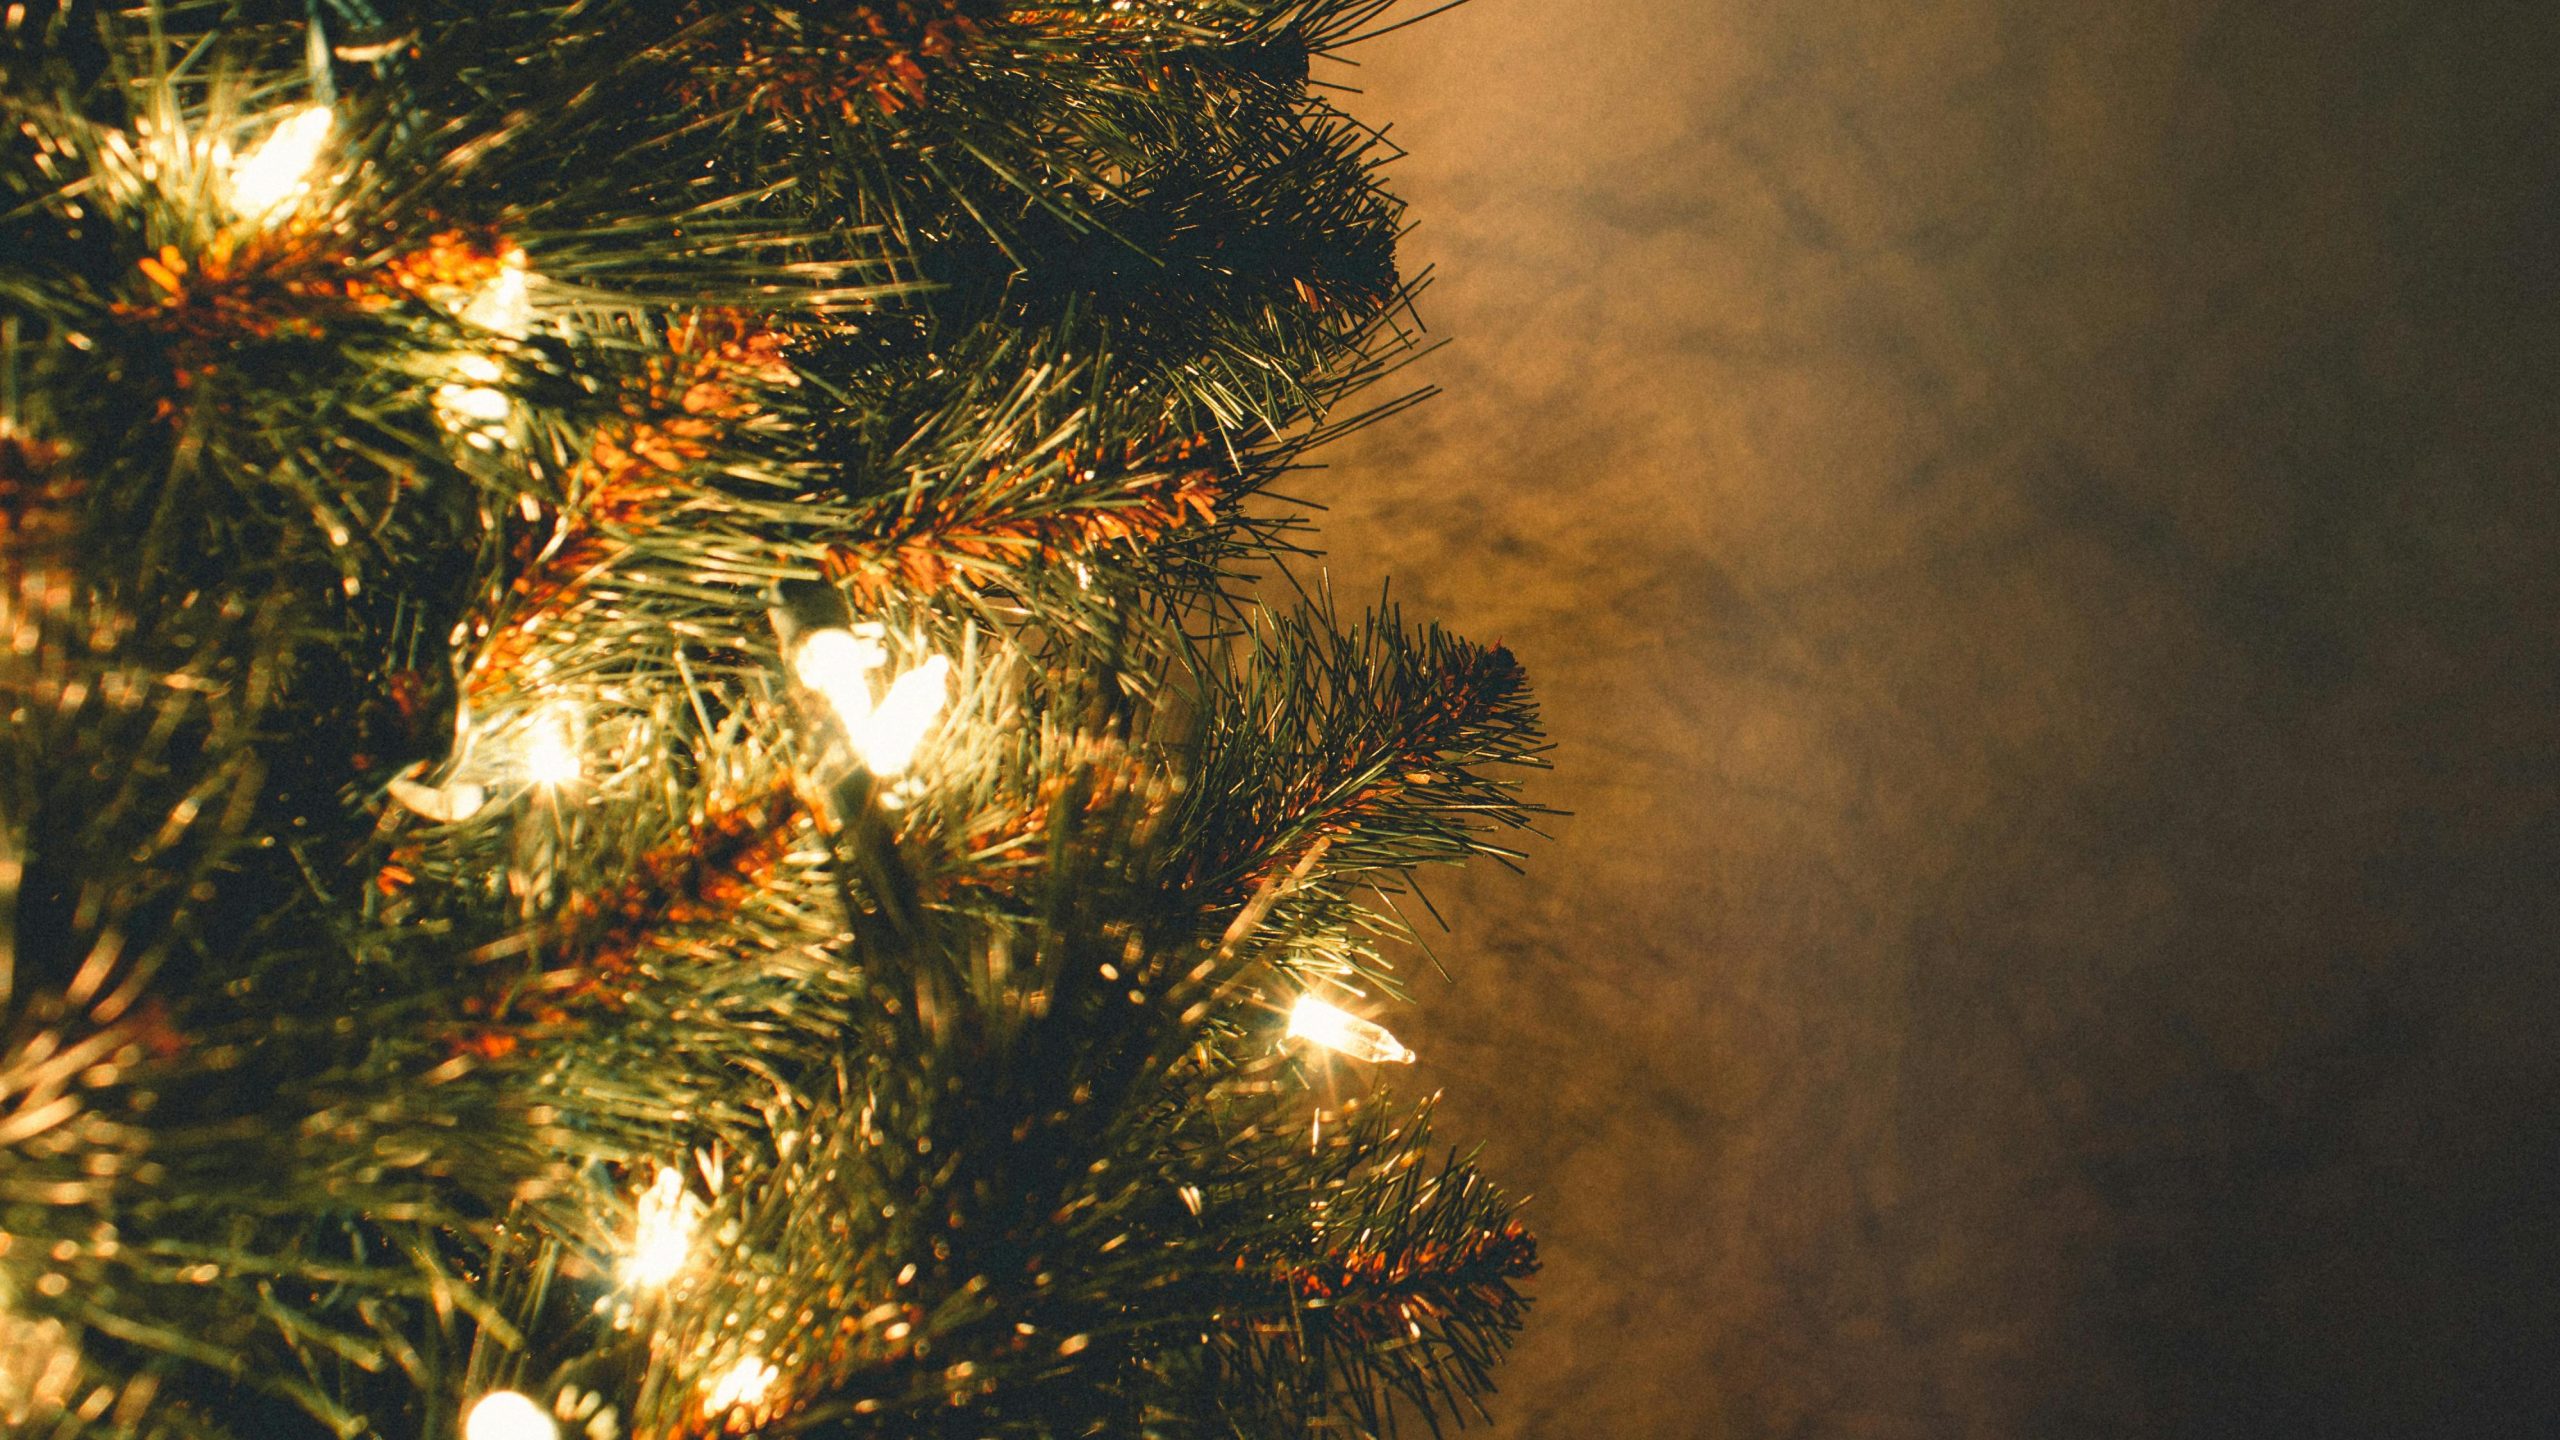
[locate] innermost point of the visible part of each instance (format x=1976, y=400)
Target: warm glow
x=471, y=407
x=551, y=749
x=887, y=741
x=1339, y=1030
x=746, y=1383
x=663, y=1240
x=444, y=804
x=275, y=174
x=838, y=664
x=506, y=1415
x=505, y=304
x=39, y=1364
x=474, y=407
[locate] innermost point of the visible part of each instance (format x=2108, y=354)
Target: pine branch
x=1390, y=746
x=424, y=846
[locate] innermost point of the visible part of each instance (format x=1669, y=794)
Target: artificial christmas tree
x=644, y=795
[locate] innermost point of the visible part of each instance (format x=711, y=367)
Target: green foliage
x=605, y=351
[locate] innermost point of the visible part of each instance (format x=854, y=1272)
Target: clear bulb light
x=1323, y=1023
x=838, y=664
x=444, y=804
x=663, y=1239
x=506, y=1415
x=277, y=171
x=887, y=741
x=745, y=1383
x=551, y=749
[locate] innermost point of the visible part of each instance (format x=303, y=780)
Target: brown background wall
x=2036, y=525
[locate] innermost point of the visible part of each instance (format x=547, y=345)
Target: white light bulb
x=1339, y=1030
x=838, y=665
x=551, y=749
x=663, y=1240
x=887, y=741
x=445, y=804
x=277, y=171
x=745, y=1383
x=506, y=1415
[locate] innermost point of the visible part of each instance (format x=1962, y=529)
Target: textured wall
x=2036, y=526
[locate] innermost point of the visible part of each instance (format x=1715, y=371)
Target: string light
x=1323, y=1023
x=277, y=172
x=506, y=1415
x=838, y=664
x=663, y=1239
x=551, y=748
x=443, y=804
x=745, y=1383
x=887, y=741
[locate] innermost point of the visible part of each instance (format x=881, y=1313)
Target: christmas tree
x=649, y=787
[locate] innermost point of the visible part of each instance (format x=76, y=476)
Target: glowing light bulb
x=444, y=804
x=887, y=741
x=663, y=1240
x=506, y=1415
x=551, y=749
x=277, y=172
x=745, y=1383
x=838, y=664
x=1339, y=1030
